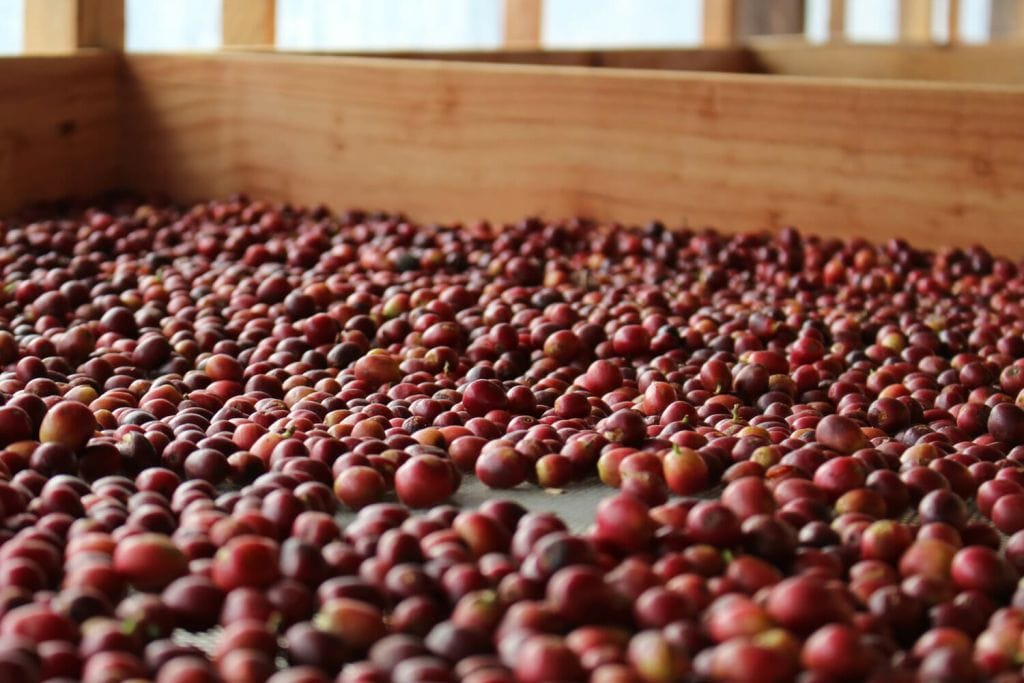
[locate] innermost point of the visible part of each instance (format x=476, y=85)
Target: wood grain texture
x=782, y=54
x=248, y=22
x=62, y=26
x=523, y=23
x=916, y=21
x=732, y=59
x=720, y=22
x=995, y=63
x=59, y=120
x=935, y=164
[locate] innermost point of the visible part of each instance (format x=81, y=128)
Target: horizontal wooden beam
x=728, y=59
x=936, y=164
x=55, y=26
x=994, y=63
x=786, y=55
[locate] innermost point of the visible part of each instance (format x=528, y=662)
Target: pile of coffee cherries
x=250, y=421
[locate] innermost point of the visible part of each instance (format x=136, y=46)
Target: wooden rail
x=996, y=63
x=53, y=26
x=731, y=59
x=1001, y=62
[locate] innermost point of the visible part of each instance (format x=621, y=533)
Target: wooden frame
x=784, y=55
x=445, y=138
x=734, y=59
x=1001, y=63
x=934, y=163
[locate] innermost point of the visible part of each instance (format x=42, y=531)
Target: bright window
x=161, y=26
x=596, y=23
x=12, y=22
x=389, y=24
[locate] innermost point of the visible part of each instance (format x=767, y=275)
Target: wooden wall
x=937, y=163
x=783, y=55
x=59, y=120
x=728, y=59
x=992, y=63
x=933, y=163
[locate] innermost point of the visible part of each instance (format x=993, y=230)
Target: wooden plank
x=916, y=21
x=523, y=23
x=59, y=125
x=729, y=59
x=1000, y=63
x=720, y=18
x=248, y=22
x=1007, y=19
x=837, y=20
x=933, y=163
x=726, y=59
x=759, y=18
x=54, y=26
x=995, y=63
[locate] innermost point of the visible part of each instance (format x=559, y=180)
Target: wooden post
x=719, y=22
x=953, y=22
x=523, y=20
x=248, y=22
x=1007, y=19
x=916, y=21
x=836, y=20
x=67, y=25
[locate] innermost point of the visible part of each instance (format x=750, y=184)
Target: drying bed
x=372, y=449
